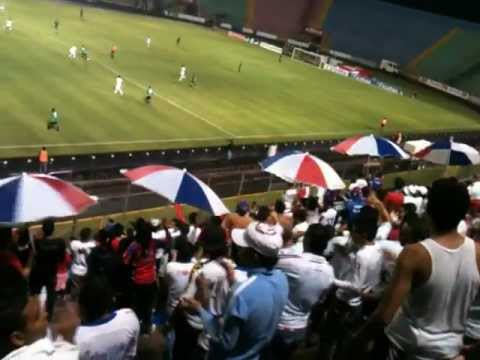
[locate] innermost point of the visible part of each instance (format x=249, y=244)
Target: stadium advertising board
x=191, y=18
x=237, y=36
x=271, y=47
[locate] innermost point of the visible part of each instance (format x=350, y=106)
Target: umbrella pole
x=127, y=198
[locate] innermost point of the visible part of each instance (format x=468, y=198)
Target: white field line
x=106, y=143
x=164, y=141
x=171, y=102
x=168, y=101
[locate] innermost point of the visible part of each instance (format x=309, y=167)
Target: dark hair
x=192, y=218
x=48, y=227
x=102, y=237
x=85, y=234
x=263, y=213
x=413, y=230
x=5, y=237
x=184, y=249
x=182, y=227
x=13, y=299
x=410, y=212
x=300, y=215
x=317, y=237
x=143, y=235
x=95, y=298
x=312, y=203
x=267, y=262
x=213, y=241
x=448, y=203
x=366, y=222
x=280, y=206
x=398, y=183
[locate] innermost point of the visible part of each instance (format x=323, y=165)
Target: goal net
x=308, y=57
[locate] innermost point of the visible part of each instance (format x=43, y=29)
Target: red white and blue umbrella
x=32, y=197
x=448, y=152
x=178, y=186
x=370, y=145
x=303, y=168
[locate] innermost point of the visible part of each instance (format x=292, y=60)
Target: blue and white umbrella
x=448, y=152
x=178, y=186
x=32, y=197
x=370, y=145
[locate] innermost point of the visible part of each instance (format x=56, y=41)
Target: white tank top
x=431, y=322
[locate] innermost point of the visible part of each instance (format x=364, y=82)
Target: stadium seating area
x=376, y=30
x=282, y=17
x=230, y=11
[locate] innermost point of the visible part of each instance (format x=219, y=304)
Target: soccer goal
x=308, y=57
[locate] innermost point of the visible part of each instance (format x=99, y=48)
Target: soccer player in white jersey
x=183, y=73
x=9, y=24
x=118, y=86
x=148, y=41
x=72, y=52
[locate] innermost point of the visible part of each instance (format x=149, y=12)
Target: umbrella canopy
x=303, y=168
x=415, y=146
x=178, y=186
x=370, y=145
x=448, y=152
x=32, y=197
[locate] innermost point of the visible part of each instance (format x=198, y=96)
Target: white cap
x=155, y=222
x=263, y=238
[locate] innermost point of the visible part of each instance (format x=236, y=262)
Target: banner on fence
x=267, y=35
x=298, y=43
x=271, y=47
x=191, y=18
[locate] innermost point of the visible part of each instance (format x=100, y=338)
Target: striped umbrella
x=448, y=152
x=370, y=145
x=178, y=186
x=303, y=168
x=32, y=197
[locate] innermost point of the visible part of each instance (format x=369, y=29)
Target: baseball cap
x=263, y=238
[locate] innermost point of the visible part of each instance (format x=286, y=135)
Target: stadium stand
x=282, y=17
x=229, y=11
x=446, y=66
x=376, y=30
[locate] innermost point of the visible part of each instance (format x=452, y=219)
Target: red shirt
x=144, y=270
x=115, y=243
x=10, y=259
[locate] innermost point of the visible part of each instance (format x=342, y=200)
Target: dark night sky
x=462, y=9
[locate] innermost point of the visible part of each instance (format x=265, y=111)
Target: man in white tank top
x=435, y=282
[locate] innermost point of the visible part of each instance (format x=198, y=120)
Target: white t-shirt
x=328, y=217
x=114, y=337
x=313, y=217
x=300, y=229
x=118, y=82
x=177, y=276
x=183, y=71
x=366, y=275
x=391, y=250
x=193, y=234
x=219, y=288
x=45, y=349
x=310, y=277
x=383, y=231
x=80, y=252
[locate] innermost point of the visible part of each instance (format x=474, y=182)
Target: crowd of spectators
x=360, y=274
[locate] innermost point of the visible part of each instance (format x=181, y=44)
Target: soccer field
x=266, y=102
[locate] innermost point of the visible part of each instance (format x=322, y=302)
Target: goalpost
x=308, y=57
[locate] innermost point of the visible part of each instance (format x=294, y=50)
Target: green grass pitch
x=268, y=101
